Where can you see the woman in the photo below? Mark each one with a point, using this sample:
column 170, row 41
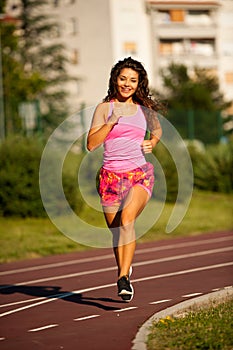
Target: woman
column 126, row 180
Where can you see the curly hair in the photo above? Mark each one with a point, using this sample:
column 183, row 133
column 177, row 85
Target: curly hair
column 142, row 95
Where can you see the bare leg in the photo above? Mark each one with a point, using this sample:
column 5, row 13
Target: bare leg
column 121, row 223
column 113, row 219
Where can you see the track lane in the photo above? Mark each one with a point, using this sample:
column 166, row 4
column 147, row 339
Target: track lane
column 68, row 321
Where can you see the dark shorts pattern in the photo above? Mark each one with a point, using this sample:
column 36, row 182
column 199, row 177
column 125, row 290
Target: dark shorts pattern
column 113, row 187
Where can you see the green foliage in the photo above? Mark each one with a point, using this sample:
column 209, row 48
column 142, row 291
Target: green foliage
column 212, row 170
column 169, row 171
column 194, row 102
column 188, row 90
column 209, row 328
column 19, row 190
column 2, row 5
column 18, row 85
column 36, row 25
column 201, row 124
column 19, row 180
column 33, row 67
column 213, row 167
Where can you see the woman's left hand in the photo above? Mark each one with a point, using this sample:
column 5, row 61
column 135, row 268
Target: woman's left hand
column 147, row 146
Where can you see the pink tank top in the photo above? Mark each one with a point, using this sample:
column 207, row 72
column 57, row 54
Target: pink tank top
column 122, row 146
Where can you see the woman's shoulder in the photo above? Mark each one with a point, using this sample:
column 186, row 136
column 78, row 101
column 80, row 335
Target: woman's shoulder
column 104, row 107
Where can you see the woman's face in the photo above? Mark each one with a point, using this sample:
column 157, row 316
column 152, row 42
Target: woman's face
column 127, row 83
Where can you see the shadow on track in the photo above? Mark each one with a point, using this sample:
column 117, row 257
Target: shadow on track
column 56, row 292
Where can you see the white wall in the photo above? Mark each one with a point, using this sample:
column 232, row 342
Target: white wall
column 130, row 24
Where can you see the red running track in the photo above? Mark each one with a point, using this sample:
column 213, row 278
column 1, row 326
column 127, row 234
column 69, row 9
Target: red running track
column 70, row 301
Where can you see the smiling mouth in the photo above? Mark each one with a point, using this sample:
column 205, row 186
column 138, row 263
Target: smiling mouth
column 125, row 90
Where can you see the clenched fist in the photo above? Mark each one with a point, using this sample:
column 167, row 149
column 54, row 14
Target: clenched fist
column 147, row 146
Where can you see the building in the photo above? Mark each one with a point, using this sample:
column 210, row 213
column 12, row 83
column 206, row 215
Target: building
column 195, row 33
column 97, row 33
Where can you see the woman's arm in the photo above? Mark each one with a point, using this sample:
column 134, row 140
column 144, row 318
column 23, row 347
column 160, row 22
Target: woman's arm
column 100, row 126
column 155, row 135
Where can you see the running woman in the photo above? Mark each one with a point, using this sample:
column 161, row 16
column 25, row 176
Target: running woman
column 126, row 179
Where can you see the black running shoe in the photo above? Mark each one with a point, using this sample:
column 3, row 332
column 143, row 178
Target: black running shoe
column 125, row 289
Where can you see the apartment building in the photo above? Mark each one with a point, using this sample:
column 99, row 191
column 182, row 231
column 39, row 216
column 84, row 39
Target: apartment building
column 195, row 33
column 97, row 33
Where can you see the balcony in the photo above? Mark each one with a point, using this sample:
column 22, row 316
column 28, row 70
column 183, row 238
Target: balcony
column 185, row 23
column 188, row 51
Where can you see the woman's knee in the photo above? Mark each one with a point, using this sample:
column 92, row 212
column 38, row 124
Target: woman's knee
column 127, row 219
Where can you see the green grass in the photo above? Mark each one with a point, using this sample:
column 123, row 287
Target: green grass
column 207, row 212
column 31, row 237
column 206, row 328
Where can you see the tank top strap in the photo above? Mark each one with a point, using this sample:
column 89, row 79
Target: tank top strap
column 110, row 108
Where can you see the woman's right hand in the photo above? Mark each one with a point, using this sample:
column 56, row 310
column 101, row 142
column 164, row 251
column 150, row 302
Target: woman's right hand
column 117, row 112
column 121, row 109
column 113, row 119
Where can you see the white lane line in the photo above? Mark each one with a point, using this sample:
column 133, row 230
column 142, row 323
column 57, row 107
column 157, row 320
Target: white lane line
column 43, row 328
column 21, row 302
column 177, row 273
column 142, row 263
column 170, row 274
column 59, row 264
column 85, row 318
column 110, row 256
column 185, row 244
column 160, row 301
column 184, row 256
column 56, row 297
column 191, row 295
column 126, row 309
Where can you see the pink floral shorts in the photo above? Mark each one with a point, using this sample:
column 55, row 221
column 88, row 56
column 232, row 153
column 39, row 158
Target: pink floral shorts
column 113, row 187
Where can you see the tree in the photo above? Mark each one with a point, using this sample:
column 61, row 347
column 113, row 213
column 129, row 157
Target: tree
column 195, row 102
column 45, row 57
column 33, row 67
column 18, row 85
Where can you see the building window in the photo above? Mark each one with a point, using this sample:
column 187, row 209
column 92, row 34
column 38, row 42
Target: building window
column 171, row 47
column 164, row 17
column 171, row 16
column 130, row 48
column 229, row 77
column 202, row 47
column 73, row 26
column 177, row 15
column 74, row 56
column 198, row 17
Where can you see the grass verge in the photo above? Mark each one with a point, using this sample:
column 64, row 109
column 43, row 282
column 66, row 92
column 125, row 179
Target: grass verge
column 208, row 327
column 31, row 237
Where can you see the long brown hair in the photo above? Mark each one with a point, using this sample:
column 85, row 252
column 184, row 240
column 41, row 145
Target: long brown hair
column 142, row 95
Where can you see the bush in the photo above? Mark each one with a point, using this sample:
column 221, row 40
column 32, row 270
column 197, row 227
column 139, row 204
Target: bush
column 19, row 179
column 169, row 171
column 213, row 168
column 176, row 170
